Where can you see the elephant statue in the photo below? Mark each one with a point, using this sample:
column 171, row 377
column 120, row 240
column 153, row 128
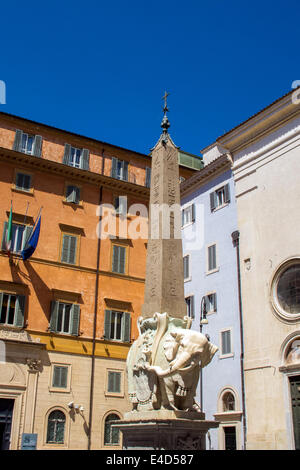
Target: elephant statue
column 181, row 355
column 163, row 364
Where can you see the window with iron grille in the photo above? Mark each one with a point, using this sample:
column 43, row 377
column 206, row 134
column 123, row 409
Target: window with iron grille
column 56, row 427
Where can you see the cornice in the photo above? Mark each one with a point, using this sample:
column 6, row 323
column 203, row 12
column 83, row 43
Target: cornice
column 85, row 176
column 260, row 125
column 207, row 173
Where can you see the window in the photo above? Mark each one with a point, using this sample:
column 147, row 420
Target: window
column 186, row 267
column 77, row 158
column 73, row 194
column 120, row 205
column 20, row 236
column 60, row 376
column 212, row 257
column 148, row 177
column 211, row 302
column 56, row 427
column 117, row 326
column 219, row 197
column 288, row 289
column 190, row 306
column 12, row 308
column 119, row 169
column 118, row 259
column 23, row 181
column 69, row 249
column 65, row 318
column 114, row 382
column 285, row 290
column 226, row 348
column 28, row 143
column 188, row 215
column 111, row 434
column 230, row 437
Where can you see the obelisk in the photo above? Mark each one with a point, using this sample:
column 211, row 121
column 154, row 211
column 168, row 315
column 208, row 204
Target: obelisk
column 164, row 286
column 163, row 363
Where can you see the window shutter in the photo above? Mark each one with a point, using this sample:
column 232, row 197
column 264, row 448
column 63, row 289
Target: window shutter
column 18, row 140
column 37, row 149
column 107, row 324
column 182, row 217
column 1, row 300
column 186, row 267
column 65, row 248
column 226, row 349
column 114, row 163
column 73, row 194
column 148, row 177
column 117, row 384
column 226, row 193
column 67, row 154
column 192, row 306
column 213, row 201
column 126, row 327
column 75, row 317
column 60, row 375
column 3, row 244
column 72, row 250
column 122, row 256
column 53, row 315
column 110, row 386
column 26, row 235
column 125, row 171
column 193, row 212
column 214, row 302
column 19, row 311
column 123, row 205
column 115, row 260
column 85, row 160
column 212, row 257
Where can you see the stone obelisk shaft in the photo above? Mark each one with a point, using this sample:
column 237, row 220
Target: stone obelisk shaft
column 164, row 287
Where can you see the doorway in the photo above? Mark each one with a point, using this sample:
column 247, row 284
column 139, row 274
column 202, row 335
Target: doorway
column 295, row 401
column 6, row 412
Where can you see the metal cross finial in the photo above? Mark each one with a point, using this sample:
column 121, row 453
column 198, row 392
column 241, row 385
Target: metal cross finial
column 165, row 99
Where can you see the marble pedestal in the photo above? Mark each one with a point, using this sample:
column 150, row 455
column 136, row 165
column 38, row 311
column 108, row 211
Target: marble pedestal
column 164, row 430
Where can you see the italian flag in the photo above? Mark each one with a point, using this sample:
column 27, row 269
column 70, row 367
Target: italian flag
column 8, row 236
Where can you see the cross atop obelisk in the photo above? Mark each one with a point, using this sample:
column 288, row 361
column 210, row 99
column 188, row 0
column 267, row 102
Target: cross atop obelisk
column 164, row 287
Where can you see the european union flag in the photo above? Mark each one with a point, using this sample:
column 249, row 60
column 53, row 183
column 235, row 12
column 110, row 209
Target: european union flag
column 32, row 242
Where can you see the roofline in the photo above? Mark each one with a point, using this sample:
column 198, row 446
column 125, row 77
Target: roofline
column 72, row 133
column 218, row 139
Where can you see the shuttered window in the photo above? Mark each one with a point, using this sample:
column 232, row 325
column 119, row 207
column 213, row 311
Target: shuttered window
column 119, row 169
column 114, row 382
column 226, row 342
column 190, row 306
column 68, row 250
column 219, row 197
column 23, row 181
column 20, row 236
column 27, row 143
column 64, row 318
column 188, row 215
column 60, row 376
column 77, row 158
column 186, row 267
column 212, row 257
column 12, row 309
column 211, row 302
column 73, row 194
column 120, row 205
column 118, row 259
column 117, row 326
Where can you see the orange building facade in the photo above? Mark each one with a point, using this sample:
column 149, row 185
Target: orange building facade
column 68, row 314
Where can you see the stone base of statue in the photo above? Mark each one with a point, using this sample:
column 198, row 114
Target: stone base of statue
column 165, row 430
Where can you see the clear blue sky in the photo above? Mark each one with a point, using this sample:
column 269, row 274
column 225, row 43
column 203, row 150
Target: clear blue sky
column 100, row 68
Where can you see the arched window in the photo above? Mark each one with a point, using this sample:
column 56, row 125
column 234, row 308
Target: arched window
column 228, row 401
column 56, row 427
column 111, row 434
